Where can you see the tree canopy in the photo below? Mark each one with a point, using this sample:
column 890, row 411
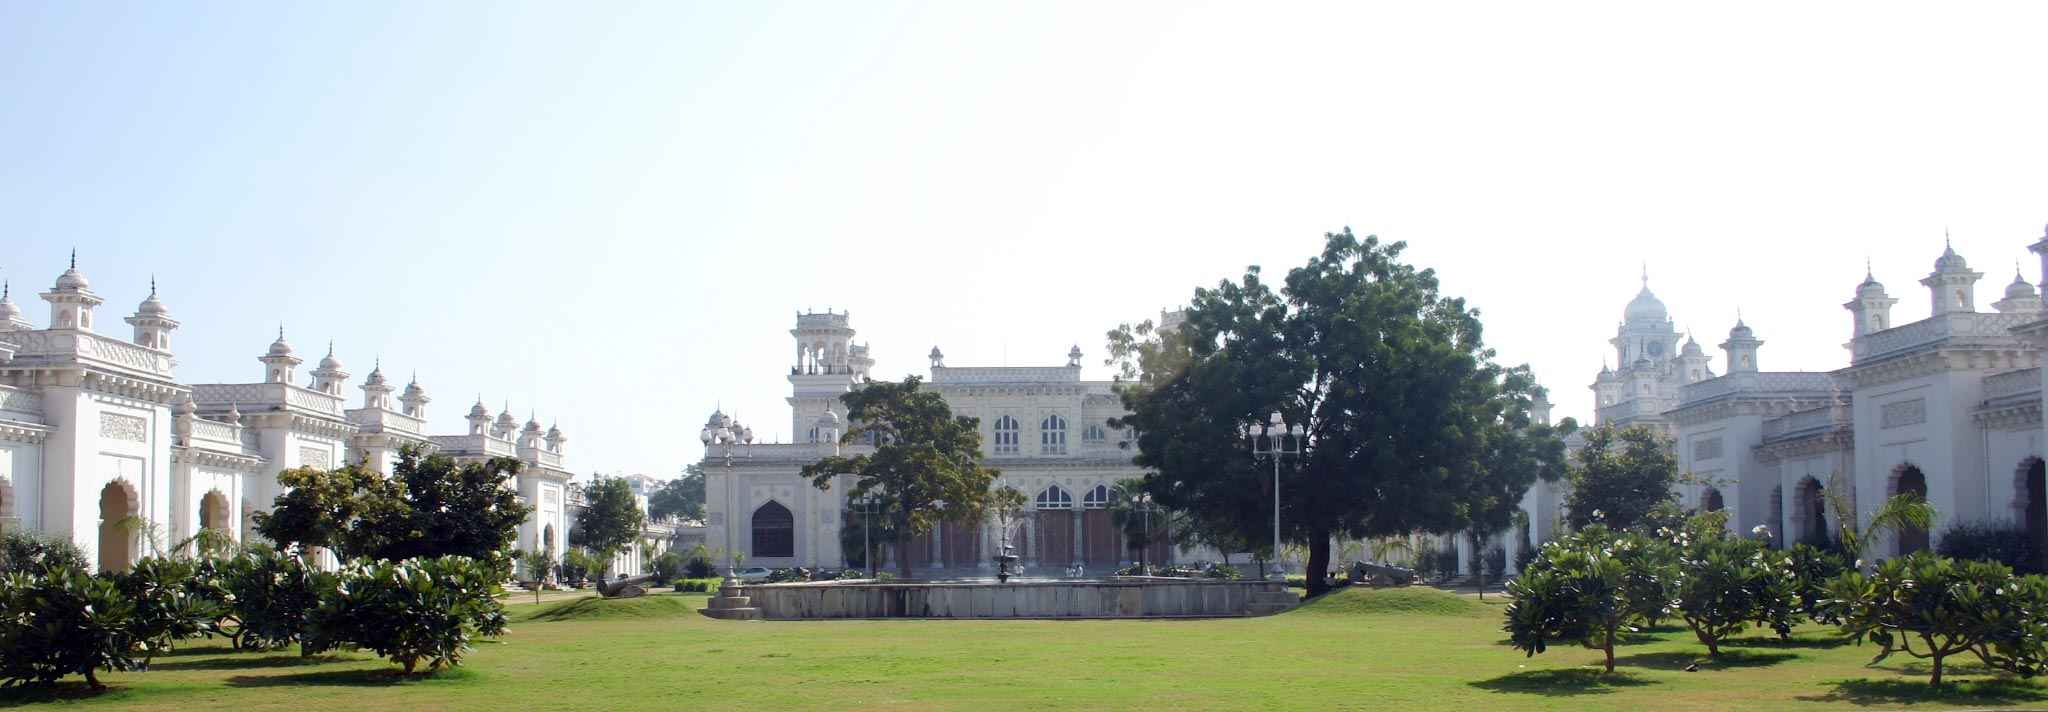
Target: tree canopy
column 1622, row 475
column 1407, row 418
column 926, row 464
column 611, row 519
column 681, row 497
column 430, row 506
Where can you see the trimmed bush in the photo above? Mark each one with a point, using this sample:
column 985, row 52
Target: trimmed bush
column 1931, row 607
column 32, row 553
column 698, row 563
column 64, row 623
column 668, row 567
column 1724, row 584
column 270, row 594
column 1574, row 591
column 171, row 603
column 411, row 612
column 2004, row 543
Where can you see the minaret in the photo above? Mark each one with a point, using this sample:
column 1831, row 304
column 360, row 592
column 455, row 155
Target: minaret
column 529, row 436
column 1741, row 347
column 279, row 364
column 479, row 418
column 555, row 439
column 1696, row 366
column 1074, row 357
column 152, row 321
column 415, row 398
column 10, row 315
column 1872, row 308
column 72, row 300
column 503, row 428
column 2020, row 297
column 329, row 376
column 938, row 358
column 1952, row 285
column 376, row 393
column 1539, row 407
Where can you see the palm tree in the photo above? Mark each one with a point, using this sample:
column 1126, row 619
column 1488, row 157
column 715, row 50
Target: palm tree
column 1903, row 512
column 1130, row 508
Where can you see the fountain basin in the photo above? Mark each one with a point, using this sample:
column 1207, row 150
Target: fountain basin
column 1115, row 597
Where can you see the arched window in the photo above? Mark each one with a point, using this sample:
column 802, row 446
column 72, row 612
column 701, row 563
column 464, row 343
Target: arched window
column 1006, row 435
column 2034, row 507
column 1054, row 498
column 774, row 531
column 1052, row 435
column 213, row 511
column 117, row 535
column 1094, row 435
column 1910, row 480
column 1812, row 508
column 1097, row 498
column 1710, row 501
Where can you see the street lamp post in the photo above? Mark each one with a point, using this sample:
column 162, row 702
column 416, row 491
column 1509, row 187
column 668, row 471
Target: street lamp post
column 866, row 505
column 1279, row 441
column 1143, row 502
column 728, row 435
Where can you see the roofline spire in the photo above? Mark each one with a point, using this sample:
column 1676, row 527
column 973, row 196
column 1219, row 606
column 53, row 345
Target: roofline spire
column 74, row 258
column 152, row 283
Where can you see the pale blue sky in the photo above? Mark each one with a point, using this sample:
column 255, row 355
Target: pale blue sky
column 607, row 212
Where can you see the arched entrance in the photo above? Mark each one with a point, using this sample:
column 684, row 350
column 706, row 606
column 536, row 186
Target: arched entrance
column 213, row 512
column 2034, row 484
column 117, row 536
column 1710, row 501
column 1909, row 480
column 547, row 539
column 774, row 531
column 1812, row 503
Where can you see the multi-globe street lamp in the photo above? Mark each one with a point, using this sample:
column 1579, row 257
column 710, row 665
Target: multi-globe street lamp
column 727, row 435
column 1277, row 440
column 866, row 505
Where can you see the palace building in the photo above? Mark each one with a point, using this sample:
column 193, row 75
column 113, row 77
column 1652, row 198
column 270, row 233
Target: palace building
column 1947, row 406
column 101, row 443
column 1043, row 427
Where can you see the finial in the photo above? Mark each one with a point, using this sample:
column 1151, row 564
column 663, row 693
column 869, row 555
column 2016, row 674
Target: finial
column 152, row 285
column 74, row 258
column 280, row 331
column 1867, row 274
column 330, row 347
column 1646, row 274
column 1945, row 242
column 5, row 289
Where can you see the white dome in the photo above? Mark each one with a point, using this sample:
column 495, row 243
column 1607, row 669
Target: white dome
column 72, row 280
column 376, row 377
column 8, row 311
column 152, row 306
column 478, row 411
column 2019, row 288
column 1949, row 261
column 279, row 347
column 1645, row 307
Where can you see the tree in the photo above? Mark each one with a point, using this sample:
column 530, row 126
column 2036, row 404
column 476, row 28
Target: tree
column 1576, row 591
column 1947, row 607
column 1622, row 474
column 451, row 510
column 926, row 465
column 1389, row 379
column 610, row 521
column 681, row 497
column 1141, row 522
column 1516, row 451
column 324, row 509
column 1903, row 512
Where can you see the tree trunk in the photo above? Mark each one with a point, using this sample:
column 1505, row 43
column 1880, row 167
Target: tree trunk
column 1937, row 670
column 1318, row 561
column 93, row 680
column 1478, row 565
column 1608, row 646
column 903, row 537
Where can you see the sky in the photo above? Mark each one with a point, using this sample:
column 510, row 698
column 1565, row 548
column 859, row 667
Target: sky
column 607, row 214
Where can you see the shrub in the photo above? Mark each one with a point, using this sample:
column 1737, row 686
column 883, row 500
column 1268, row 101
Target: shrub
column 1950, row 607
column 1224, row 572
column 668, row 567
column 63, row 623
column 411, row 612
column 1725, row 583
column 1494, row 563
column 699, row 563
column 1524, row 555
column 1575, row 590
column 32, row 553
column 1812, row 568
column 1447, row 561
column 2007, row 544
column 168, row 606
column 270, row 594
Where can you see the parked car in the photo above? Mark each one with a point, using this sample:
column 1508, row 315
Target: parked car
column 752, row 574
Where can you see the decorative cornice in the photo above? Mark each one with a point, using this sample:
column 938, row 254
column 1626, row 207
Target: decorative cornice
column 18, row 431
column 203, row 457
column 1842, row 439
column 2017, row 416
column 1938, row 360
column 1761, row 404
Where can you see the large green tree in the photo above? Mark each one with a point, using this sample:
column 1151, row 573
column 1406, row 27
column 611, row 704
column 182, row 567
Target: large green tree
column 610, row 521
column 1390, row 380
column 681, row 497
column 1621, row 476
column 326, row 509
column 926, row 464
column 430, row 506
column 1516, row 451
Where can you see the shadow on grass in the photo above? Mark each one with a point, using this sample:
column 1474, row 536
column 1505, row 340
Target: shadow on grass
column 1994, row 691
column 230, row 662
column 1561, row 683
column 61, row 691
column 1679, row 660
column 1794, row 642
column 378, row 677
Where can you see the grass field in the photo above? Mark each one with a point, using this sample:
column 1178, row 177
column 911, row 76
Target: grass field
column 1411, row 649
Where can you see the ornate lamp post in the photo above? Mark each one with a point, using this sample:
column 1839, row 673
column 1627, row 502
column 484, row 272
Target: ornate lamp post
column 727, row 435
column 865, row 504
column 1142, row 502
column 1278, row 441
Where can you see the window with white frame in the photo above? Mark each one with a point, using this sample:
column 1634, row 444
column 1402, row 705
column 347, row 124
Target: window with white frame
column 1094, row 435
column 1097, row 498
column 1054, row 497
column 1052, row 435
column 1006, row 435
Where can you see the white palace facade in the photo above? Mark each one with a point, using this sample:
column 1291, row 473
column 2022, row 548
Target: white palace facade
column 1043, row 427
column 1947, row 406
column 101, row 443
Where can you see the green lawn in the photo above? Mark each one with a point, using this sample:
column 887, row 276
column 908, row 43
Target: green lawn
column 1412, row 649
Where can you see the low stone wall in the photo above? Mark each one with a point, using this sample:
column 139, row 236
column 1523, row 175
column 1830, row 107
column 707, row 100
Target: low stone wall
column 1121, row 597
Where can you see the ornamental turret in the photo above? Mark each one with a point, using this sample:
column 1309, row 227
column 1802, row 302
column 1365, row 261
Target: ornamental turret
column 555, row 439
column 479, row 418
column 10, row 315
column 2020, row 297
column 938, row 358
column 152, row 321
column 1741, row 346
column 71, row 300
column 1872, row 308
column 376, row 392
column 415, row 399
column 529, row 436
column 1952, row 286
column 1694, row 363
column 329, row 374
column 279, row 364
column 505, row 425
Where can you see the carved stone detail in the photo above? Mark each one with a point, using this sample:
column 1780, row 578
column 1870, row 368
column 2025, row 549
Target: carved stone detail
column 1903, row 413
column 116, row 426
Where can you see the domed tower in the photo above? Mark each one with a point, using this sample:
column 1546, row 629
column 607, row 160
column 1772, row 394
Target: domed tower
column 376, row 393
column 329, row 376
column 529, row 436
column 2020, row 297
column 71, row 300
column 1606, row 387
column 505, row 425
column 1693, row 362
column 1741, row 347
column 1646, row 330
column 415, row 399
column 1872, row 308
column 279, row 364
column 555, row 439
column 479, row 418
column 1952, row 285
column 10, row 315
column 828, row 366
column 152, row 321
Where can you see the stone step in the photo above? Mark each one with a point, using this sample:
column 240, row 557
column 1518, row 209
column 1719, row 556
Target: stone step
column 732, row 614
column 724, row 602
